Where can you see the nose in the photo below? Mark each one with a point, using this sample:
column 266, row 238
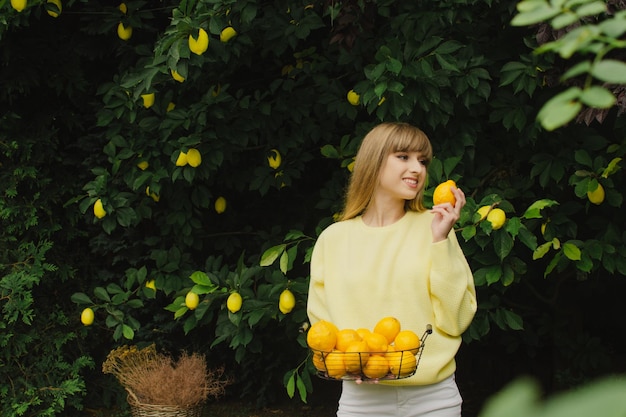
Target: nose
column 417, row 165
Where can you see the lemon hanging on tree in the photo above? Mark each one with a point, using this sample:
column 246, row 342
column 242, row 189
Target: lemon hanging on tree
column 286, row 301
column 124, row 32
column 199, row 45
column 87, row 316
column 181, row 160
column 227, row 34
column 98, row 209
column 220, row 205
column 18, row 5
column 353, row 98
column 234, row 302
column 192, row 300
column 483, row 212
column 275, row 159
column 497, row 218
column 596, row 196
column 148, row 100
column 177, row 76
column 50, row 9
column 194, row 158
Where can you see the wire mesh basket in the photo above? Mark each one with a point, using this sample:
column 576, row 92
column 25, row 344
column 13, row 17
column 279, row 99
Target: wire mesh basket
column 139, row 409
column 368, row 366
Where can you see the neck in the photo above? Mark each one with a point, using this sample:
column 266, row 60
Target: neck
column 378, row 214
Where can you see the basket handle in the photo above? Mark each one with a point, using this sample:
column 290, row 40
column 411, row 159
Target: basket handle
column 132, row 394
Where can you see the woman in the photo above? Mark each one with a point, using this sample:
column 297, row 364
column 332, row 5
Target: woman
column 389, row 256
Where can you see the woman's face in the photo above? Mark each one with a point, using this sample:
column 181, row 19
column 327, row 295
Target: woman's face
column 402, row 175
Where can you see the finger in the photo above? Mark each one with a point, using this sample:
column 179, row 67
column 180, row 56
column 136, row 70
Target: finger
column 460, row 198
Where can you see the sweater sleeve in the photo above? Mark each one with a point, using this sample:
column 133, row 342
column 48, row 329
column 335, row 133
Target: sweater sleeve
column 316, row 301
column 452, row 287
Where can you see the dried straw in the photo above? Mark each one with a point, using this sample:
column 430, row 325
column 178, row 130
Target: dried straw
column 155, row 378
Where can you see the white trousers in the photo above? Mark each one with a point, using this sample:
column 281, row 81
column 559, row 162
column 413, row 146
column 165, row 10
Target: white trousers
column 438, row 400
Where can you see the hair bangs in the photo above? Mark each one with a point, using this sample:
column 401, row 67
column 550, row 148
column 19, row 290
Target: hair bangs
column 410, row 139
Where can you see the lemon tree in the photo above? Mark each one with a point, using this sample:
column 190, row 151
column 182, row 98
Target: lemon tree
column 149, row 152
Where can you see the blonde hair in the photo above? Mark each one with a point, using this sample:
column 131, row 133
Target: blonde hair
column 382, row 140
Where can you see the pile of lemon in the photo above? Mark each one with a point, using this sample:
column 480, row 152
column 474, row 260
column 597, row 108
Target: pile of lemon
column 386, row 351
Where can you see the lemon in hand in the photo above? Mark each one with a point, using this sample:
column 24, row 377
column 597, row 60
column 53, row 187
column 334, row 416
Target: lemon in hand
column 201, row 44
column 443, row 193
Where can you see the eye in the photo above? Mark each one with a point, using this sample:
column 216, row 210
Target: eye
column 403, row 156
column 424, row 162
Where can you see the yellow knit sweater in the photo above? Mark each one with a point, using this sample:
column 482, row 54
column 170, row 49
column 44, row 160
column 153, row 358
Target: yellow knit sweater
column 360, row 274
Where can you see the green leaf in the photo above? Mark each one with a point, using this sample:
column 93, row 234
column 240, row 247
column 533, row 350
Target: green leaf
column 534, row 210
column 255, row 316
column 610, row 71
column 541, row 12
column 301, row 389
column 591, row 9
column 598, row 97
column 394, row 66
column 603, row 397
column 578, row 69
column 291, row 385
column 582, row 157
column 284, row 262
column 81, row 298
column 201, row 278
column 180, row 312
column 271, row 254
column 502, row 244
column 518, row 399
column 329, row 151
column 564, row 20
column 468, row 232
column 613, row 27
column 541, row 250
column 611, row 168
column 493, row 274
column 113, row 288
column 128, row 332
column 560, row 109
column 513, row 320
column 571, row 251
column 102, row 294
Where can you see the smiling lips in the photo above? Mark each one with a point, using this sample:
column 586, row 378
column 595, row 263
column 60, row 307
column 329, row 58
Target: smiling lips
column 411, row 182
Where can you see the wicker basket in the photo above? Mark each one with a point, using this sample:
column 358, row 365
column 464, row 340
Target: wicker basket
column 139, row 409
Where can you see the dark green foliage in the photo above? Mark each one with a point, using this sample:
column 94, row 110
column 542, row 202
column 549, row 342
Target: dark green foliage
column 74, row 129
